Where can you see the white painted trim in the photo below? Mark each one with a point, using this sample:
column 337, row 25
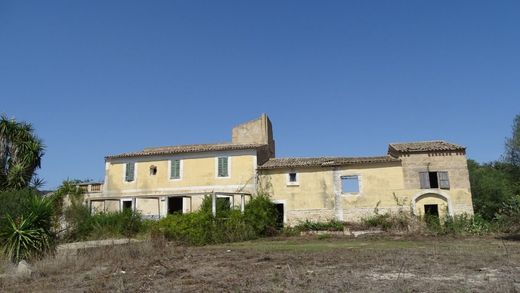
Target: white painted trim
column 181, row 169
column 228, row 166
column 360, row 185
column 284, row 202
column 288, row 178
column 434, row 191
column 222, row 188
column 105, row 184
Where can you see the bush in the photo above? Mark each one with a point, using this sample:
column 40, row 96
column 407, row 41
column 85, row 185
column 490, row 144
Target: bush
column 464, row 225
column 508, row 216
column 331, row 225
column 86, row 226
column 397, row 221
column 230, row 225
column 26, row 225
column 260, row 213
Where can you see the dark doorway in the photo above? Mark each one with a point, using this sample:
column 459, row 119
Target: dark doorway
column 279, row 214
column 127, row 205
column 175, row 205
column 431, row 213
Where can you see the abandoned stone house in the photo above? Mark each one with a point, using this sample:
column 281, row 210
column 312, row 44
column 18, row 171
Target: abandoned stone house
column 429, row 177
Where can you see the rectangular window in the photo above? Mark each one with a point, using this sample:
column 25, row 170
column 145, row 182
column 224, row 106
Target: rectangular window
column 175, row 171
column 434, row 180
column 129, row 172
column 223, row 167
column 292, row 178
column 350, row 184
column 127, row 205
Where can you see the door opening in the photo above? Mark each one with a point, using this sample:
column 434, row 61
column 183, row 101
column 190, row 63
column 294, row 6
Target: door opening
column 279, row 214
column 431, row 213
column 127, row 205
column 175, row 205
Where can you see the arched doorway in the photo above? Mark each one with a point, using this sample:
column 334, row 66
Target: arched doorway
column 433, row 204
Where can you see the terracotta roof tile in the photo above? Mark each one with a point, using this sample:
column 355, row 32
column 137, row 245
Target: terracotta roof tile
column 181, row 149
column 278, row 163
column 424, row 146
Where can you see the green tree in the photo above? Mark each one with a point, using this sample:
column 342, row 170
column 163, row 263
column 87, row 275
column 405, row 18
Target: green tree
column 490, row 186
column 512, row 152
column 20, row 154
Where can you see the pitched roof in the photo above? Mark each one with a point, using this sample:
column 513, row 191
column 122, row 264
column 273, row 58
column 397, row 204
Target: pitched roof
column 424, row 146
column 277, row 163
column 182, row 149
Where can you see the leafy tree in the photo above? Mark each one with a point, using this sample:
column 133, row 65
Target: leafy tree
column 20, row 154
column 512, row 153
column 490, row 186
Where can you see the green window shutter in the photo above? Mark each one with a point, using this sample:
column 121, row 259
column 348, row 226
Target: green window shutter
column 425, row 180
column 129, row 175
column 444, row 181
column 223, row 167
column 175, row 169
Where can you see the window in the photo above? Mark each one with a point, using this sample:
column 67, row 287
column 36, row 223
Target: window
column 223, row 167
column 153, row 170
column 350, row 184
column 434, row 180
column 175, row 169
column 292, row 178
column 130, row 172
column 127, row 204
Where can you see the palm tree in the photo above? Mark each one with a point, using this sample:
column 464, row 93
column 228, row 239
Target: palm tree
column 20, row 154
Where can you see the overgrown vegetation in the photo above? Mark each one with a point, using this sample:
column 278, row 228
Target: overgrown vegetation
column 26, row 224
column 330, row 225
column 230, row 225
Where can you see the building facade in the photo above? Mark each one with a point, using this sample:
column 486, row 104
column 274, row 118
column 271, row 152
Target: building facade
column 427, row 177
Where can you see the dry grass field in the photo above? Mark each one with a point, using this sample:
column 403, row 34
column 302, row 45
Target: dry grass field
column 313, row 264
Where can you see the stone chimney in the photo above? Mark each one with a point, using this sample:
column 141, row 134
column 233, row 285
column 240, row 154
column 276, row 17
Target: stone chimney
column 258, row 131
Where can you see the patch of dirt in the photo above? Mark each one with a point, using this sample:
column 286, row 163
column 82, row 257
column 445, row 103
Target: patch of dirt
column 383, row 264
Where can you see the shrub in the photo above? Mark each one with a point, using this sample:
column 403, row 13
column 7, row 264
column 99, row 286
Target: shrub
column 331, row 225
column 223, row 206
column 508, row 217
column 25, row 225
column 83, row 225
column 260, row 213
column 200, row 228
column 195, row 228
column 464, row 224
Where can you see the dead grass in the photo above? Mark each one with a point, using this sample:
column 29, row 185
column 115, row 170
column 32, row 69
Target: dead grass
column 383, row 264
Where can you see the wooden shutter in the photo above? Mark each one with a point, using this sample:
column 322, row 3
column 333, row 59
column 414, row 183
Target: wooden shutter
column 129, row 172
column 175, row 169
column 425, row 180
column 222, row 167
column 444, row 181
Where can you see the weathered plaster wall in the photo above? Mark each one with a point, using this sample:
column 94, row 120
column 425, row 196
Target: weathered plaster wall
column 318, row 195
column 198, row 174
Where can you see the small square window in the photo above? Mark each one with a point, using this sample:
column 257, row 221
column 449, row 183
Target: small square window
column 292, row 178
column 350, row 184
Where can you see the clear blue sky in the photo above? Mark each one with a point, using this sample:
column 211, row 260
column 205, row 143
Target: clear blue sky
column 335, row 77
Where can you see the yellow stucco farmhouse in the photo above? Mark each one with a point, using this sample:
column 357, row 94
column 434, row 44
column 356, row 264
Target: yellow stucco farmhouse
column 430, row 177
